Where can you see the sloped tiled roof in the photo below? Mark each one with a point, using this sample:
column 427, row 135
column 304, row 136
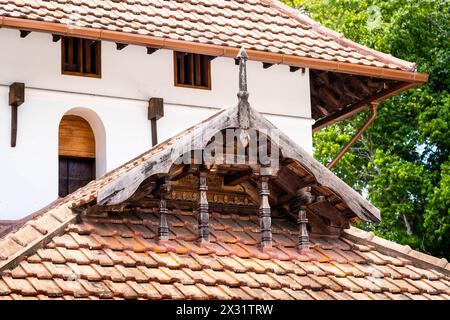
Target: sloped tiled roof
column 119, row 257
column 264, row 26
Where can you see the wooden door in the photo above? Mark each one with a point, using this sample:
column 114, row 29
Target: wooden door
column 76, row 154
column 74, row 173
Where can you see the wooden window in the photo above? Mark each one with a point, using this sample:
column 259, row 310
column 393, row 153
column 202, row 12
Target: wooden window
column 192, row 70
column 81, row 57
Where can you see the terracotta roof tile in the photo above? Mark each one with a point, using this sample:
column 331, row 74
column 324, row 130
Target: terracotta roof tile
column 76, row 265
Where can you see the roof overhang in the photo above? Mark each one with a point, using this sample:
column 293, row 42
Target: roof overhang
column 209, row 49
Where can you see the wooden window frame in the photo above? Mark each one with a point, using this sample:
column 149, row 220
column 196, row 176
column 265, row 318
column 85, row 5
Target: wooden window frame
column 98, row 54
column 182, row 85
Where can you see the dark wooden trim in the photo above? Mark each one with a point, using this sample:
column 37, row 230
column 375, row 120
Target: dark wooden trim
column 267, row 65
column 56, row 37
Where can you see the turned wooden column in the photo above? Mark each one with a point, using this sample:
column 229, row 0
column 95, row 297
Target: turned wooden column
column 306, row 198
column 163, row 228
column 203, row 208
column 303, row 236
column 265, row 219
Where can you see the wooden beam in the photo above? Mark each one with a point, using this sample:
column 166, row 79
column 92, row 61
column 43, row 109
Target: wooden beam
column 155, row 112
column 236, row 178
column 324, row 209
column 24, row 33
column 120, row 46
column 56, row 37
column 267, row 65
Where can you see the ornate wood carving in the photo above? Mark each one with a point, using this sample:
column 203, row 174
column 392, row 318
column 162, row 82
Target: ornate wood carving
column 265, row 219
column 163, row 229
column 203, row 208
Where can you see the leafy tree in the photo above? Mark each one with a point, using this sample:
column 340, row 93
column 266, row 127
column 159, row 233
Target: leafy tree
column 402, row 162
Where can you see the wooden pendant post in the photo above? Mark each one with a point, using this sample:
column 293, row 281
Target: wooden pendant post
column 163, row 229
column 265, row 219
column 203, row 208
column 155, row 112
column 16, row 98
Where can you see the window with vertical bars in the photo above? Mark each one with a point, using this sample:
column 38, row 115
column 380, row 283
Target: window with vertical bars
column 81, row 57
column 192, row 70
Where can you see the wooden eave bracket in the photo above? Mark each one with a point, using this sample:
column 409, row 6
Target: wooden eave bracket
column 24, row 33
column 121, row 46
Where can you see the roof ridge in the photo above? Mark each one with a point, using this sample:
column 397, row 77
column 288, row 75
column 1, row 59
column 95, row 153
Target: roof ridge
column 390, row 247
column 317, row 26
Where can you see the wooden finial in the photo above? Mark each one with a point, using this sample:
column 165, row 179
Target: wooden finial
column 163, row 229
column 203, row 208
column 265, row 219
column 243, row 113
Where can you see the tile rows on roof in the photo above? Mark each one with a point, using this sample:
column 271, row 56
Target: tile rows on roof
column 258, row 25
column 119, row 257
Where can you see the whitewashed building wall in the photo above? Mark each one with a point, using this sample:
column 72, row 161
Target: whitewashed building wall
column 116, row 108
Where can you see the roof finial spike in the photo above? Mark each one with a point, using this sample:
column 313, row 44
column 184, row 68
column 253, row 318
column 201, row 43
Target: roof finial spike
column 242, row 57
column 243, row 94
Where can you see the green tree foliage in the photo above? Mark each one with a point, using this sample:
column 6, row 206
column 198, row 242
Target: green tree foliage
column 402, row 163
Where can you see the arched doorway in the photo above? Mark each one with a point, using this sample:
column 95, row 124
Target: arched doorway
column 76, row 154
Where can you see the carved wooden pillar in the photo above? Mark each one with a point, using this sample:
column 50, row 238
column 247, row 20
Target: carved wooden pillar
column 306, row 198
column 265, row 219
column 203, row 208
column 163, row 229
column 303, row 237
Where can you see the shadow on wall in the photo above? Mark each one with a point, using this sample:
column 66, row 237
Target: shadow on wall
column 99, row 133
